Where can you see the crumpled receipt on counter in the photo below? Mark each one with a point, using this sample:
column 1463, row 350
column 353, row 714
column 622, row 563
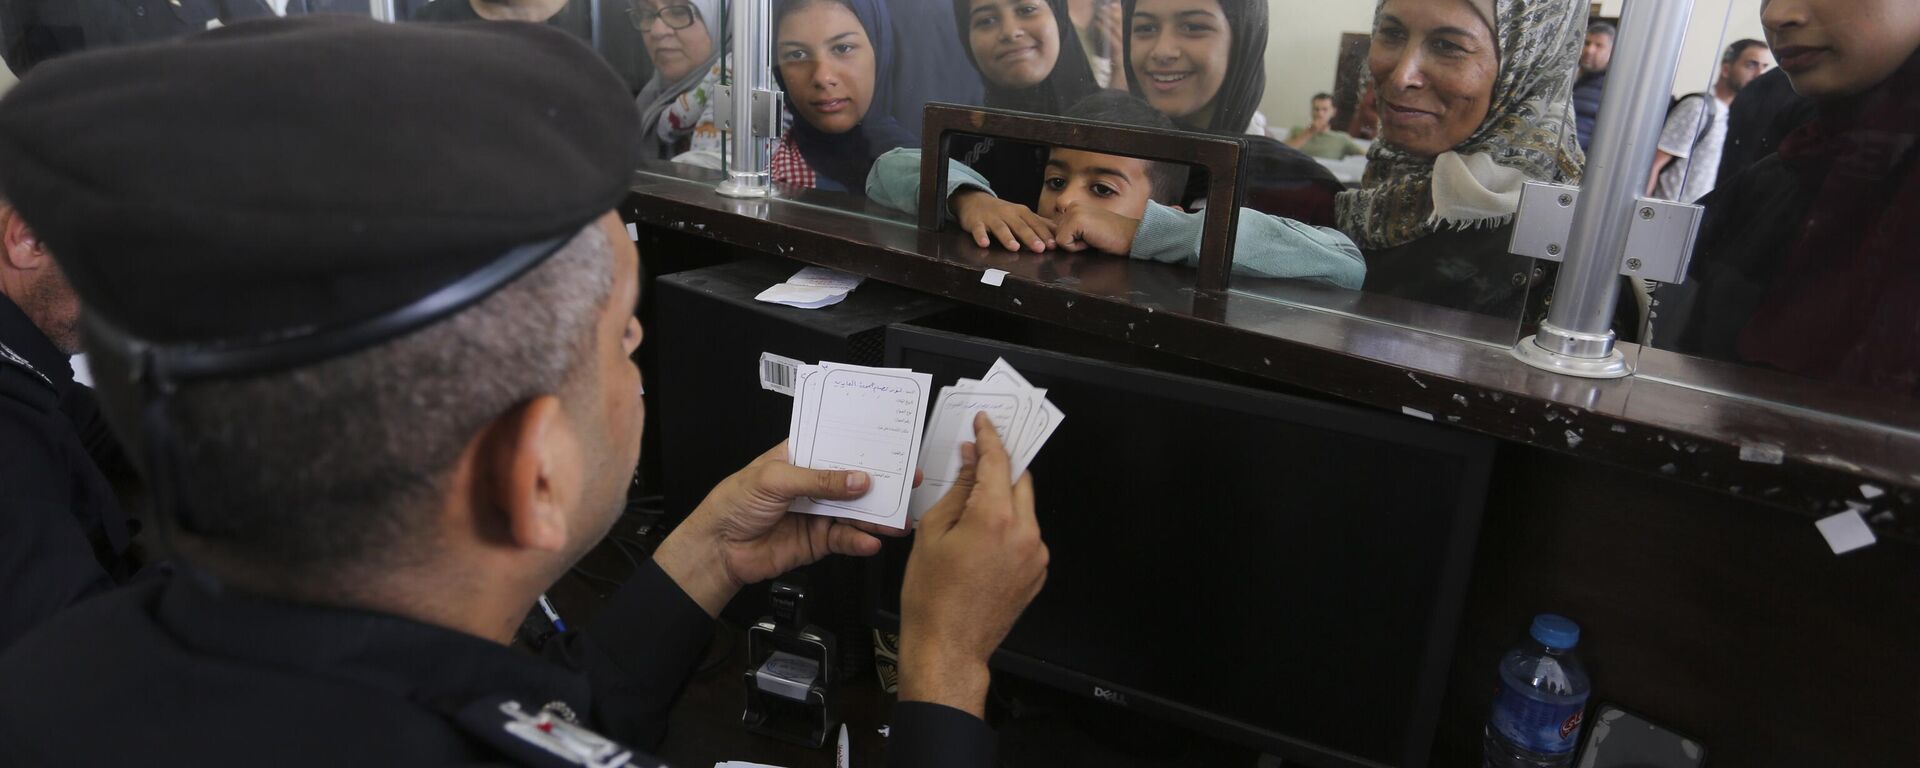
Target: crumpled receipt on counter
column 812, row 288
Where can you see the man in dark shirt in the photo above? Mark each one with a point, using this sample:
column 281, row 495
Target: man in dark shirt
column 385, row 393
column 1595, row 58
column 63, row 534
column 1763, row 114
column 37, row 30
column 615, row 37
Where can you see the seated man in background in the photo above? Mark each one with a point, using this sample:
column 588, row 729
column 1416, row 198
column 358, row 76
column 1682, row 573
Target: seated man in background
column 1119, row 205
column 1319, row 139
column 385, row 394
column 63, row 533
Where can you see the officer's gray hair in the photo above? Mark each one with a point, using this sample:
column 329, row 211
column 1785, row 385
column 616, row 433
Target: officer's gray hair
column 335, row 465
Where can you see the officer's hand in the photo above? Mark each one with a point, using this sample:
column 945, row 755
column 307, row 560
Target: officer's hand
column 742, row 534
column 977, row 562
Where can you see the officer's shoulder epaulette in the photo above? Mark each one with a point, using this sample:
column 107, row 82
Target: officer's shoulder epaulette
column 546, row 736
column 20, row 381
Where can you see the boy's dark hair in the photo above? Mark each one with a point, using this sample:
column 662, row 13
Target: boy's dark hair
column 1738, row 49
column 1121, row 108
column 1321, row 96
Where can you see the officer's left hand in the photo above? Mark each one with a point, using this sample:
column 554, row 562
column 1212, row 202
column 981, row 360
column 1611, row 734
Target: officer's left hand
column 742, row 534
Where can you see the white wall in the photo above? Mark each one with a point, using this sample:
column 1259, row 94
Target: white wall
column 1304, row 43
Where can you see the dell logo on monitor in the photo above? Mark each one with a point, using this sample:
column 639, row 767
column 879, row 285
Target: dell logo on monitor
column 1110, row 697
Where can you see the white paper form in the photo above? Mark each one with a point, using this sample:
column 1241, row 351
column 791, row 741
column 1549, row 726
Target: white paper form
column 867, row 419
column 952, row 425
column 1039, row 426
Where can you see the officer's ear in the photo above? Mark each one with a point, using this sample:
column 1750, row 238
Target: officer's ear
column 530, row 475
column 19, row 247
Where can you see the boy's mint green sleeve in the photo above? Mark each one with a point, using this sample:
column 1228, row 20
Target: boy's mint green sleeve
column 895, row 179
column 1263, row 246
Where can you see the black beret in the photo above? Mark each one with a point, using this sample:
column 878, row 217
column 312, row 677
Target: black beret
column 279, row 176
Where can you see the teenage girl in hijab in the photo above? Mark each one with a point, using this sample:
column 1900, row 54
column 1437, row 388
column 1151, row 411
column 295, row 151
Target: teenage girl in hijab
column 1203, row 64
column 686, row 43
column 1806, row 262
column 1475, row 100
column 1030, row 59
column 833, row 58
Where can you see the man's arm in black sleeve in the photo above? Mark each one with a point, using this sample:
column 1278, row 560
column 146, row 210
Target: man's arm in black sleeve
column 924, row 735
column 637, row 654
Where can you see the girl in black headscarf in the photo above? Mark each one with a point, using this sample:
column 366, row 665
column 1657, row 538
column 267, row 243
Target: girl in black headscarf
column 1203, row 64
column 1027, row 53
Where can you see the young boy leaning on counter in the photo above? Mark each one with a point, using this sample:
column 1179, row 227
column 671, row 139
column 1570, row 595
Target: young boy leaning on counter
column 1120, row 205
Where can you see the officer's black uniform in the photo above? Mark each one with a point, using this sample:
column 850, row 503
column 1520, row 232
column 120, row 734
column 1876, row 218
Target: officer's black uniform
column 292, row 246
column 63, row 535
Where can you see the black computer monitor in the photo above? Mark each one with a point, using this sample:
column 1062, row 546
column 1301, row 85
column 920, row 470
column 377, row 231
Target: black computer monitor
column 1274, row 571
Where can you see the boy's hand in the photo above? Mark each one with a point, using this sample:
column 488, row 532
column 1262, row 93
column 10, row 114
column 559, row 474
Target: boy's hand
column 1082, row 226
column 991, row 219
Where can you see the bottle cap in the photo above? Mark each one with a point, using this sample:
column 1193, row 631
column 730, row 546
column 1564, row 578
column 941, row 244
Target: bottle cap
column 1555, row 631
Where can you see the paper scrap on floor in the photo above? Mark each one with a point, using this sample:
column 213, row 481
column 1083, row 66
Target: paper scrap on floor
column 1021, row 413
column 812, row 288
column 868, row 419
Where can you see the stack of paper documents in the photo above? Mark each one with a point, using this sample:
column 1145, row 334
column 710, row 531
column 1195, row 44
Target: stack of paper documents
column 812, row 288
column 1020, row 413
column 868, row 419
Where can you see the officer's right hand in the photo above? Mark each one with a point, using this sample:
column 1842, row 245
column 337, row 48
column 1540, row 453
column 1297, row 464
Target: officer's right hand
column 977, row 562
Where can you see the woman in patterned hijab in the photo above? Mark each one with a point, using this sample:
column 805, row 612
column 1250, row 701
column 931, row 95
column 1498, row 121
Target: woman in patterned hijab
column 1469, row 111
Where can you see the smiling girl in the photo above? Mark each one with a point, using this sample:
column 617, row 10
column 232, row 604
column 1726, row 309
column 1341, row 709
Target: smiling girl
column 830, row 57
column 1024, row 58
column 1200, row 62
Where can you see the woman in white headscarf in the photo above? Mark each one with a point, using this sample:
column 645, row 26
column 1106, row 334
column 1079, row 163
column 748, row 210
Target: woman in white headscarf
column 687, row 43
column 1475, row 100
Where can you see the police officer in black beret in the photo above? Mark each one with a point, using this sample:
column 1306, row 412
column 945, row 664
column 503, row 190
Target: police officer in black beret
column 373, row 353
column 63, row 534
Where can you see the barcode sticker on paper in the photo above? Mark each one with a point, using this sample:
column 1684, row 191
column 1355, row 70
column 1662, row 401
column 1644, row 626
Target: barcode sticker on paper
column 777, row 373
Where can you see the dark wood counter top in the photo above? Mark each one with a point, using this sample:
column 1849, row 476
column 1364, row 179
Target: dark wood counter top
column 1790, row 444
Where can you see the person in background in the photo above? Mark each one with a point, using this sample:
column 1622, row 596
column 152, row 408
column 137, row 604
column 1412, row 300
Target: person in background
column 1102, row 34
column 1595, row 57
column 1687, row 162
column 1119, row 205
column 686, row 46
column 1766, row 111
column 38, row 30
column 1473, row 100
column 1318, row 138
column 1805, row 262
column 64, row 535
column 832, row 58
column 433, row 414
column 618, row 43
column 1202, row 63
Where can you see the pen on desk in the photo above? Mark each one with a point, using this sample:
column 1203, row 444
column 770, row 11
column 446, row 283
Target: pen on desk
column 843, row 757
column 546, row 607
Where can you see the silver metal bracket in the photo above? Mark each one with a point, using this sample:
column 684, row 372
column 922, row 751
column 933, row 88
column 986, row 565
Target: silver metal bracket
column 1660, row 236
column 766, row 110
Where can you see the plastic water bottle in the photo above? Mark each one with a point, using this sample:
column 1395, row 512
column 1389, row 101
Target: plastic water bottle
column 1543, row 696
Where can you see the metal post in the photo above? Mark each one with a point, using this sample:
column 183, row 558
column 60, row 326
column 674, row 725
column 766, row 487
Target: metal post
column 1577, row 337
column 755, row 104
column 383, row 10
